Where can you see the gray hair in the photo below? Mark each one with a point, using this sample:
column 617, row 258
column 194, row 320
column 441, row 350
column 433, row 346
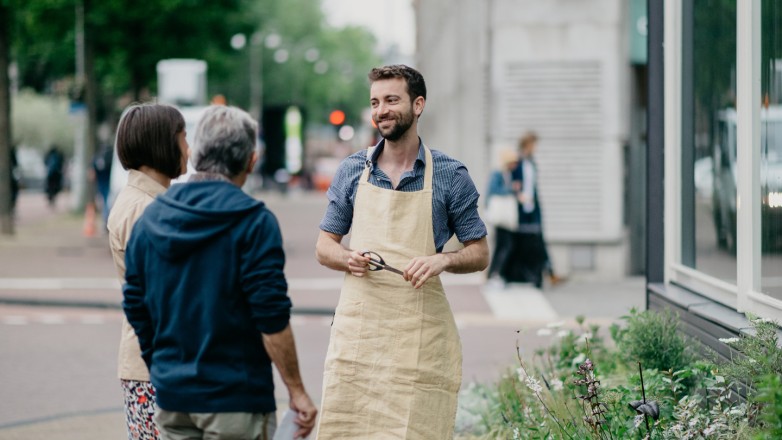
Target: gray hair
column 224, row 141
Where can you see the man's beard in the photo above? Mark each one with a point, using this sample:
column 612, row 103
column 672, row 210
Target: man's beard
column 400, row 127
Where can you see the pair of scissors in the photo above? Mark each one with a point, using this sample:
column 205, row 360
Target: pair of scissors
column 376, row 262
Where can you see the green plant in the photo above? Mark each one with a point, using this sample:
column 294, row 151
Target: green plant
column 759, row 353
column 562, row 394
column 769, row 395
column 653, row 339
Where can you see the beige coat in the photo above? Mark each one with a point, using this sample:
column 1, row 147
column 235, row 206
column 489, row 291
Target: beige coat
column 130, row 204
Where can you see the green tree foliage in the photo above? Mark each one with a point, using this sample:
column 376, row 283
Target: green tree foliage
column 129, row 38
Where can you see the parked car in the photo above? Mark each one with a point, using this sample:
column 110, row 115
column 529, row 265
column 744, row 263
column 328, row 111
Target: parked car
column 726, row 173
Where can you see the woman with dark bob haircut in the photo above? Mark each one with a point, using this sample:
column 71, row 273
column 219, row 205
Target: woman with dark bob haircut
column 151, row 145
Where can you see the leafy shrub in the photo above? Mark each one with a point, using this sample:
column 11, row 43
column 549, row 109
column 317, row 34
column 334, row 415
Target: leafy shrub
column 769, row 395
column 653, row 339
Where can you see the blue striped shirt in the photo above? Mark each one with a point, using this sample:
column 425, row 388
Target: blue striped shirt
column 454, row 198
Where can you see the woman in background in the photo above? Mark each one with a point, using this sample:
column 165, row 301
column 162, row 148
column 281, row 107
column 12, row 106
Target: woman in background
column 151, row 145
column 501, row 185
column 530, row 247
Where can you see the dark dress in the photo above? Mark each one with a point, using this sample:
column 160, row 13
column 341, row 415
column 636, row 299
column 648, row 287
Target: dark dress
column 528, row 258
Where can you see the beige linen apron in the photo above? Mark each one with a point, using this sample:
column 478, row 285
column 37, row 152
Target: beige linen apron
column 394, row 364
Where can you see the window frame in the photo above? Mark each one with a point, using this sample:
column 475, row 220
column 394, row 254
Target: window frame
column 745, row 295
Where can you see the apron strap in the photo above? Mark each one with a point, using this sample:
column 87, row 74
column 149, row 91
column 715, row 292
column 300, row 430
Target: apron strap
column 429, row 169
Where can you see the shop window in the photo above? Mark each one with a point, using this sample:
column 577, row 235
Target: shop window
column 708, row 161
column 770, row 166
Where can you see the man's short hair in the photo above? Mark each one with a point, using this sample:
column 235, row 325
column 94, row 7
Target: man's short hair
column 147, row 136
column 224, row 141
column 415, row 81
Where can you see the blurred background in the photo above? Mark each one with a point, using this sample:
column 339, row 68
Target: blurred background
column 573, row 72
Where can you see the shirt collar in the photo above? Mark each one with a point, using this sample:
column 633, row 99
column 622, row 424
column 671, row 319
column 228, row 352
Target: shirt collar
column 145, row 183
column 419, row 161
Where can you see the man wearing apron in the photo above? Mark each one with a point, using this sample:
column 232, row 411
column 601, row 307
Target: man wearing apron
column 394, row 364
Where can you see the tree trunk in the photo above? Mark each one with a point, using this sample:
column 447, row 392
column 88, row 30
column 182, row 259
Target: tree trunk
column 91, row 98
column 84, row 189
column 6, row 211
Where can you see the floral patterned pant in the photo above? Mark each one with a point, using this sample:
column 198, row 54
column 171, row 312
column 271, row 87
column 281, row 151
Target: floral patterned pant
column 139, row 410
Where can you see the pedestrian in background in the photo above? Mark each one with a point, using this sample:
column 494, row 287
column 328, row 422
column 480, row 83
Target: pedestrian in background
column 394, row 363
column 206, row 294
column 531, row 251
column 151, row 145
column 502, row 206
column 101, row 167
column 15, row 178
column 54, row 161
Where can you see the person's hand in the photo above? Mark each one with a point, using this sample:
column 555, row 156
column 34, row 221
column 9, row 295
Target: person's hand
column 522, row 198
column 358, row 264
column 306, row 412
column 420, row 269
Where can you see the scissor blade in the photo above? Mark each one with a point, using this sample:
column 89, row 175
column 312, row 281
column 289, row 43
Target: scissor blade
column 393, row 269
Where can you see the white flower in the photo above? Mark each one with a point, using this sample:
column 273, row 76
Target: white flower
column 563, row 333
column 736, row 412
column 710, row 430
column 544, row 332
column 729, row 340
column 638, row 420
column 521, row 374
column 557, row 385
column 516, row 433
column 555, row 324
column 534, row 385
column 578, row 360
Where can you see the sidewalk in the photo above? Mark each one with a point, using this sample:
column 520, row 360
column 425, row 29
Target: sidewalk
column 49, row 261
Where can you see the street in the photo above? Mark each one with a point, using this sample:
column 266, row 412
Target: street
column 60, row 318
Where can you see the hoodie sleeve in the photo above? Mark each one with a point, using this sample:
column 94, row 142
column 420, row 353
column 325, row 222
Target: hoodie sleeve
column 133, row 295
column 263, row 279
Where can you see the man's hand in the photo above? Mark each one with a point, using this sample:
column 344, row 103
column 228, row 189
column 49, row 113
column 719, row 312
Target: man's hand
column 306, row 413
column 358, row 264
column 473, row 257
column 420, row 269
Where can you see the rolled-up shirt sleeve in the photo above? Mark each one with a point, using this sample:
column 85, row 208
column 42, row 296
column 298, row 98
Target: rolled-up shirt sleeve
column 339, row 214
column 263, row 278
column 462, row 205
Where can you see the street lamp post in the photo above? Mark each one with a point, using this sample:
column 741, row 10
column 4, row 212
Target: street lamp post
column 257, row 40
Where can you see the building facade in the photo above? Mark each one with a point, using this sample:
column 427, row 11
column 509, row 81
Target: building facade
column 563, row 69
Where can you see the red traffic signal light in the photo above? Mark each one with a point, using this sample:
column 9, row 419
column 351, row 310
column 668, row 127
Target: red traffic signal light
column 337, row 117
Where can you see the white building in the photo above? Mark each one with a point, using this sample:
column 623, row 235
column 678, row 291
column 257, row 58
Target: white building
column 498, row 68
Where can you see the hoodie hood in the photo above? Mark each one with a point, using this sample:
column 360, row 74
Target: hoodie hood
column 189, row 214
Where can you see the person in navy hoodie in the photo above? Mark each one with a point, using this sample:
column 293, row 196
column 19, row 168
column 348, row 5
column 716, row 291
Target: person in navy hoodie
column 206, row 295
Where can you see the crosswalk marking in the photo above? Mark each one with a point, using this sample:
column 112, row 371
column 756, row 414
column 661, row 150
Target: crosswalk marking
column 519, row 302
column 51, row 319
column 15, row 320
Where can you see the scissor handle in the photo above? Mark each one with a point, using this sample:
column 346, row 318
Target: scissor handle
column 376, row 262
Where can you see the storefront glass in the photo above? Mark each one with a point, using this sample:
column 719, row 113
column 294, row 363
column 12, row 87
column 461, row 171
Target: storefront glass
column 708, row 160
column 771, row 148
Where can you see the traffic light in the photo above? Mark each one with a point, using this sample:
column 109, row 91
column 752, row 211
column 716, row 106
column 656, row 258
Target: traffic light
column 337, row 117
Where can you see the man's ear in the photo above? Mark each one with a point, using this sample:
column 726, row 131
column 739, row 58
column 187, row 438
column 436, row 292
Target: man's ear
column 251, row 162
column 418, row 105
